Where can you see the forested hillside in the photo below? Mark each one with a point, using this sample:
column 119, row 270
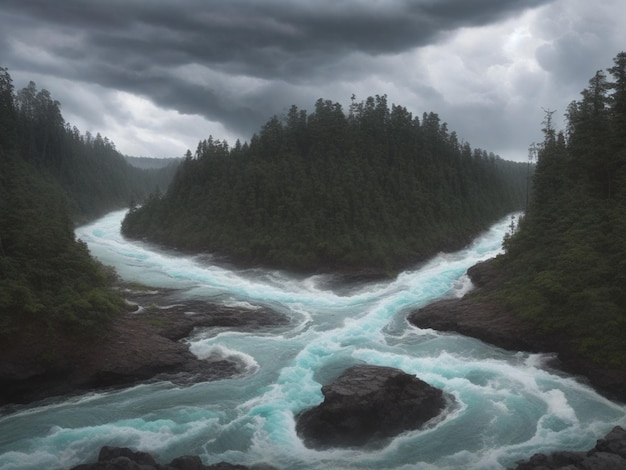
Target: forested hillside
column 565, row 268
column 50, row 177
column 95, row 177
column 374, row 188
column 48, row 281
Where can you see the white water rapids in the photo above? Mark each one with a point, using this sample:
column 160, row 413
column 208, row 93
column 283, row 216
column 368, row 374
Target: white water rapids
column 509, row 405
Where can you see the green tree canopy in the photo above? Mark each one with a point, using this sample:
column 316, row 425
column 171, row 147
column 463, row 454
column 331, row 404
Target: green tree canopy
column 564, row 270
column 374, row 188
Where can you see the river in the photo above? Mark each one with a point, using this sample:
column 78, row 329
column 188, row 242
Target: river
column 509, row 405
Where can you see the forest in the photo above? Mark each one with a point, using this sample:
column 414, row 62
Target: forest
column 371, row 189
column 564, row 269
column 51, row 177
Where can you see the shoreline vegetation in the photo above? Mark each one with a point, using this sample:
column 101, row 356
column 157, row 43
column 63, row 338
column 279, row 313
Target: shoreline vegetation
column 560, row 285
column 52, row 177
column 140, row 345
column 482, row 315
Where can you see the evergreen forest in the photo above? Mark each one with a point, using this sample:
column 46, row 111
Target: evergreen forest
column 94, row 176
column 564, row 269
column 372, row 189
column 52, row 176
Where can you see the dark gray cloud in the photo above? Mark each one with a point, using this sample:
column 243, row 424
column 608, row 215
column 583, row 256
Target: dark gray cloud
column 252, row 32
column 239, row 61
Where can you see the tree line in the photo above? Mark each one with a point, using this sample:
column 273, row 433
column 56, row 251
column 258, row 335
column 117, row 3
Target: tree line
column 52, row 176
column 94, row 175
column 565, row 268
column 374, row 188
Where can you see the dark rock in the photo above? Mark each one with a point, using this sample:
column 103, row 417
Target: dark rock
column 488, row 319
column 360, row 277
column 123, row 463
column 367, row 403
column 482, row 274
column 137, row 347
column 606, row 455
column 556, row 460
column 123, row 458
column 108, row 453
column 483, row 318
column 187, row 462
column 614, row 442
column 603, row 461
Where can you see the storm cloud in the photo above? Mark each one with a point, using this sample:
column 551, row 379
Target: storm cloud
column 487, row 67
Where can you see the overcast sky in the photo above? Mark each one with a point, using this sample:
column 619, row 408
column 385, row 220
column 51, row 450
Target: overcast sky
column 156, row 76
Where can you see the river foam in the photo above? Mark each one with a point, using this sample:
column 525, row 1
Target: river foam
column 508, row 405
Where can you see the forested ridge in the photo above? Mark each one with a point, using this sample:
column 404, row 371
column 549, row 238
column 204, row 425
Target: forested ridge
column 50, row 177
column 374, row 188
column 564, row 269
column 94, row 175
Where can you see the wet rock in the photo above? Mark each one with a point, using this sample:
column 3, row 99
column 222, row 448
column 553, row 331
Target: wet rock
column 123, row 458
column 488, row 319
column 188, row 462
column 608, row 454
column 108, row 453
column 367, row 403
column 614, row 442
column 484, row 319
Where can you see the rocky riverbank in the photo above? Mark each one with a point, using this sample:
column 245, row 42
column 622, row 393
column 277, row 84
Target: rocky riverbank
column 484, row 317
column 123, row 458
column 139, row 346
column 608, row 454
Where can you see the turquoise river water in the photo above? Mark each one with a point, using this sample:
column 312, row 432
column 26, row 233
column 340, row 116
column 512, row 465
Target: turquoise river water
column 509, row 405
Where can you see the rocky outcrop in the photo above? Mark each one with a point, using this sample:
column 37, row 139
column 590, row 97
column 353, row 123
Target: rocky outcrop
column 481, row 317
column 484, row 317
column 608, row 454
column 367, row 403
column 123, row 458
column 137, row 347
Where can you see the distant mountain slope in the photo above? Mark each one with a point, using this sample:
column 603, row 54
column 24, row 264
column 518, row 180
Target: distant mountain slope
column 374, row 189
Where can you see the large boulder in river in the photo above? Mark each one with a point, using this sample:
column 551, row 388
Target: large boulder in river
column 367, row 403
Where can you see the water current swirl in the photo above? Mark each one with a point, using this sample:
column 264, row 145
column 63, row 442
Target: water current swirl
column 509, row 405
